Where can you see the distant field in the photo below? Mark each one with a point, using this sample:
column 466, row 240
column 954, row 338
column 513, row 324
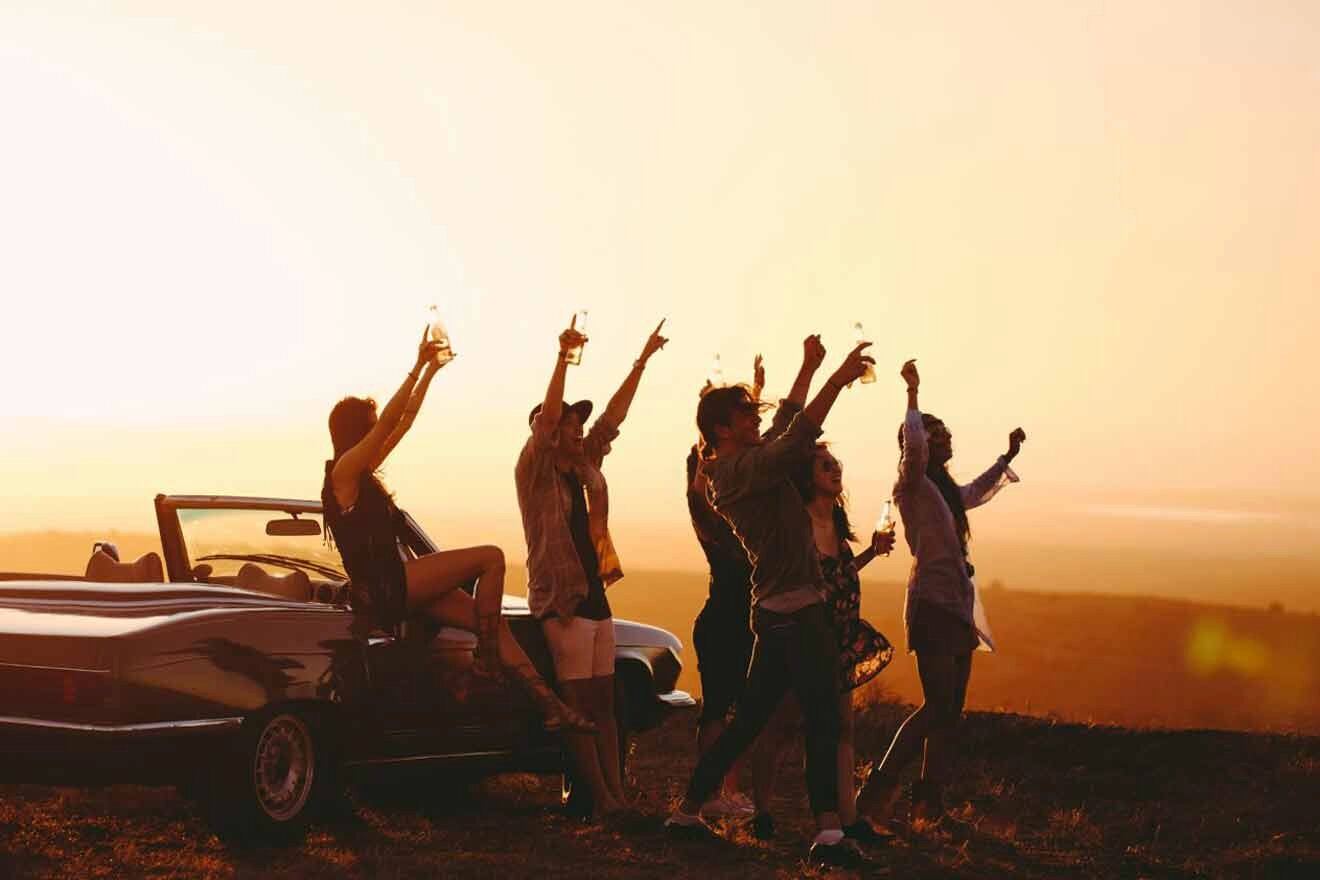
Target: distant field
column 1109, row 659
column 1106, row 658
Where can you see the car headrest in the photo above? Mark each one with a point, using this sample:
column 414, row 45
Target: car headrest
column 294, row 585
column 144, row 570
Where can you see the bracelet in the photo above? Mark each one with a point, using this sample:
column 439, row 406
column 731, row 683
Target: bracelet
column 835, row 385
column 639, row 364
column 412, row 374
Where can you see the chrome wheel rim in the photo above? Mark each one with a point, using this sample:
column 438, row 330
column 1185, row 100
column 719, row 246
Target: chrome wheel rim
column 283, row 767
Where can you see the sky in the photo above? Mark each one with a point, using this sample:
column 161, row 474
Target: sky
column 1093, row 220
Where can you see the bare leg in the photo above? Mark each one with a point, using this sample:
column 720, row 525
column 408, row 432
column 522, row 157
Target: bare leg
column 587, row 756
column 938, row 679
column 942, row 742
column 435, row 575
column 432, row 576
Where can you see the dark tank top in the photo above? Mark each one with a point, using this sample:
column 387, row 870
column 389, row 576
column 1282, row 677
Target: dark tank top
column 730, row 572
column 368, row 540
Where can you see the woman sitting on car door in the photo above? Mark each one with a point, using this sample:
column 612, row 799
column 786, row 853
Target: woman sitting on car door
column 366, row 526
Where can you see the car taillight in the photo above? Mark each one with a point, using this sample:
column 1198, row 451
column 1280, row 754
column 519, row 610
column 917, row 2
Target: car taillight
column 36, row 689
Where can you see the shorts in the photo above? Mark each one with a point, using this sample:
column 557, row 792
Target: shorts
column 723, row 642
column 933, row 630
column 581, row 648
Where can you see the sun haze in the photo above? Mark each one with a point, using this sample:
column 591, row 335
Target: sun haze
column 1098, row 225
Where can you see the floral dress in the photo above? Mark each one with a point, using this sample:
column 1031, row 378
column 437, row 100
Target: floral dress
column 863, row 651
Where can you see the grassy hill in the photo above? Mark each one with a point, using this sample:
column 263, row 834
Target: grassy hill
column 1039, row 799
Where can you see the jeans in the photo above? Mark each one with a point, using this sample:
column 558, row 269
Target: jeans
column 798, row 651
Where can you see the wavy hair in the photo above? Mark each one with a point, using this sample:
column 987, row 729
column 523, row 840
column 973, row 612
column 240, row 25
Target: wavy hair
column 804, row 478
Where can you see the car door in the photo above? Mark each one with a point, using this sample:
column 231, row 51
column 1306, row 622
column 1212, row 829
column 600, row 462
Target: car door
column 428, row 702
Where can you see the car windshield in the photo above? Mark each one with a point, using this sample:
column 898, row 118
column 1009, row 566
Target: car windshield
column 226, row 540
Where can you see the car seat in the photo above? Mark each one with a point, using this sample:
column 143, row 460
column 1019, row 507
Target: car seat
column 295, row 585
column 104, row 568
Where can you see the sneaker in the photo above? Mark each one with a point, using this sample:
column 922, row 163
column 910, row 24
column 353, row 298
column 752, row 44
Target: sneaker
column 741, row 800
column 844, row 854
column 726, row 808
column 763, row 826
column 878, row 797
column 927, row 801
column 682, row 825
column 862, row 832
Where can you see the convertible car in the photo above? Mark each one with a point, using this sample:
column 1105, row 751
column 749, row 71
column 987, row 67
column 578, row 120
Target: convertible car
column 235, row 669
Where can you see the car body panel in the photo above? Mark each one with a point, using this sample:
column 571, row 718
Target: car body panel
column 135, row 681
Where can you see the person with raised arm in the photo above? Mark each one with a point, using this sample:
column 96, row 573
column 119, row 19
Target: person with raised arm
column 751, row 486
column 942, row 611
column 722, row 635
column 366, row 526
column 863, row 652
column 571, row 560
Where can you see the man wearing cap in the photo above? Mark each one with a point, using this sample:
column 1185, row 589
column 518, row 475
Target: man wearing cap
column 564, row 502
column 750, row 485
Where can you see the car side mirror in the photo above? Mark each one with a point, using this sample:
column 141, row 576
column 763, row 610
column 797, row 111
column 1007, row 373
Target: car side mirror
column 293, row 527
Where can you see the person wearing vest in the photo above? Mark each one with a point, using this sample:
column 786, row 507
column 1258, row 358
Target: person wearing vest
column 564, row 502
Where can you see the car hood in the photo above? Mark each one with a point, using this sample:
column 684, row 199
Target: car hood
column 627, row 633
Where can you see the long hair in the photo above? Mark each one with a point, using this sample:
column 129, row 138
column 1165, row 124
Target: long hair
column 948, row 486
column 350, row 420
column 804, row 478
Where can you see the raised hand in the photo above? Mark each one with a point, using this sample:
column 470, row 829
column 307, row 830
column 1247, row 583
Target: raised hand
column 910, row 374
column 758, row 378
column 813, row 352
column 854, row 365
column 428, row 351
column 571, row 338
column 654, row 342
column 1015, row 441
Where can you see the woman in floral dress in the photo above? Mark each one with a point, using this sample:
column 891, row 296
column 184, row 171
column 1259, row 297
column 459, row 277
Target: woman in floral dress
column 863, row 652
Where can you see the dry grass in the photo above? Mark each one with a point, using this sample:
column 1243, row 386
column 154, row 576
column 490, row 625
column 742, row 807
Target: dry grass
column 1034, row 799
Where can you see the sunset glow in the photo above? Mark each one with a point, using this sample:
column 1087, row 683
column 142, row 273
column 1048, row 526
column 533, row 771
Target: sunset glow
column 221, row 223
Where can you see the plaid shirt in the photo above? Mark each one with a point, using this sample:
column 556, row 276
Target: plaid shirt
column 555, row 577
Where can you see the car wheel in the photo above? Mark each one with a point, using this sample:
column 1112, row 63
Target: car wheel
column 281, row 773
